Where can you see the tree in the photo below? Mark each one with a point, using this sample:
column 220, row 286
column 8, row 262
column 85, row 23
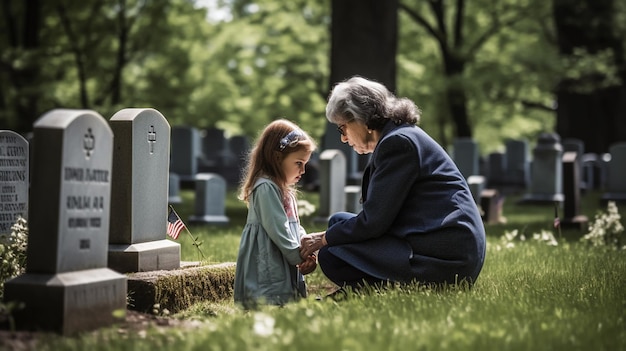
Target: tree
column 19, row 64
column 102, row 55
column 363, row 42
column 592, row 94
column 461, row 29
column 269, row 60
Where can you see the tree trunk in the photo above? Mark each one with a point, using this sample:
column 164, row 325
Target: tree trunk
column 23, row 79
column 364, row 40
column 457, row 97
column 588, row 109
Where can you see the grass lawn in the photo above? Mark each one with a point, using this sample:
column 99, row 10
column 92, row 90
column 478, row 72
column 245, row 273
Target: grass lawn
column 529, row 296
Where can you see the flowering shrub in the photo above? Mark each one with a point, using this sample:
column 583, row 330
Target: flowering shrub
column 544, row 236
column 13, row 251
column 305, row 208
column 606, row 229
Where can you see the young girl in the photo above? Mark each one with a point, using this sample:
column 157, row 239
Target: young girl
column 269, row 266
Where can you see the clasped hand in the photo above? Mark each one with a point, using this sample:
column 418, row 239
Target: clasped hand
column 308, row 265
column 310, row 243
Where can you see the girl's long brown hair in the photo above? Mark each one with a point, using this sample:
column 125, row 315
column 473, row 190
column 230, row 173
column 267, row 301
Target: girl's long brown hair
column 265, row 157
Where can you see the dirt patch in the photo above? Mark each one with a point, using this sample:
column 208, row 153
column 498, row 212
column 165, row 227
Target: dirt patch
column 134, row 323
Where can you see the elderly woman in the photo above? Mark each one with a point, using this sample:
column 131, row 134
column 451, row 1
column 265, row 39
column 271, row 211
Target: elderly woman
column 419, row 222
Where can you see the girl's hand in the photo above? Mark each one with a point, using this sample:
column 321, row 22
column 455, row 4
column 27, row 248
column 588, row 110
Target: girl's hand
column 309, row 243
column 307, row 266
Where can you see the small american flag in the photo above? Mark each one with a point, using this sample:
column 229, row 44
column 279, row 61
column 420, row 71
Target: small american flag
column 174, row 224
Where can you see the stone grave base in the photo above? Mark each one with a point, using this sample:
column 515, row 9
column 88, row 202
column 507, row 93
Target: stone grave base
column 614, row 196
column 578, row 222
column 141, row 257
column 491, row 203
column 537, row 199
column 209, row 219
column 178, row 289
column 69, row 302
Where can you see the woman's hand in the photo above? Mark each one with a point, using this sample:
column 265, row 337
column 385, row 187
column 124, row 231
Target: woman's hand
column 307, row 266
column 310, row 243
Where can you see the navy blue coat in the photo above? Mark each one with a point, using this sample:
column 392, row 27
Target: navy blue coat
column 419, row 221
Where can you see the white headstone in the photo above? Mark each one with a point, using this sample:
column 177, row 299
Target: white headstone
column 67, row 286
column 14, row 179
column 332, row 184
column 140, row 193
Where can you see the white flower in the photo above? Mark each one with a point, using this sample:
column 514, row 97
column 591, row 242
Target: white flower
column 606, row 230
column 263, row 324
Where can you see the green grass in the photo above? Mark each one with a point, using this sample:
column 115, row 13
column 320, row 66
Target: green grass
column 530, row 296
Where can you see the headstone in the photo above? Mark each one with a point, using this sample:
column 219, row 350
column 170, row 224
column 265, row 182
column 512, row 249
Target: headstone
column 571, row 191
column 616, row 174
column 590, row 170
column 239, row 147
column 139, row 194
column 67, row 286
column 465, row 154
column 354, row 162
column 491, row 204
column 311, row 177
column 214, row 149
column 577, row 146
column 603, row 167
column 476, row 185
column 496, row 164
column 14, row 179
column 353, row 198
column 517, row 163
column 173, row 194
column 210, row 200
column 546, row 184
column 185, row 151
column 332, row 182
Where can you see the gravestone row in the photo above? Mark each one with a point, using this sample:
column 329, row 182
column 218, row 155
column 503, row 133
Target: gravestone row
column 197, row 151
column 200, row 151
column 557, row 173
column 540, row 176
column 97, row 208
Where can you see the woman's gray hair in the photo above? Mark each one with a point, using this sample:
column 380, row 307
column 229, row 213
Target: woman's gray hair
column 369, row 102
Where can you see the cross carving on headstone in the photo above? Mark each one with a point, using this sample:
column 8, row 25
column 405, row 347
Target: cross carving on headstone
column 151, row 138
column 88, row 142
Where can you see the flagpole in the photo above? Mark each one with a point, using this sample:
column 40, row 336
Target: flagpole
column 195, row 243
column 557, row 220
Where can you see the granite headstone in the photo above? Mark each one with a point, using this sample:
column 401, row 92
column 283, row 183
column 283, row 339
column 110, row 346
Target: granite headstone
column 67, row 286
column 332, row 184
column 14, row 179
column 139, row 193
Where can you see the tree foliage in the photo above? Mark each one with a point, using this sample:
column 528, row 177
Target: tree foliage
column 110, row 54
column 592, row 89
column 269, row 61
column 486, row 68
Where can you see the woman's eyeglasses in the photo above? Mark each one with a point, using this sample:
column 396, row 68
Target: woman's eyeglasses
column 341, row 129
column 291, row 139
